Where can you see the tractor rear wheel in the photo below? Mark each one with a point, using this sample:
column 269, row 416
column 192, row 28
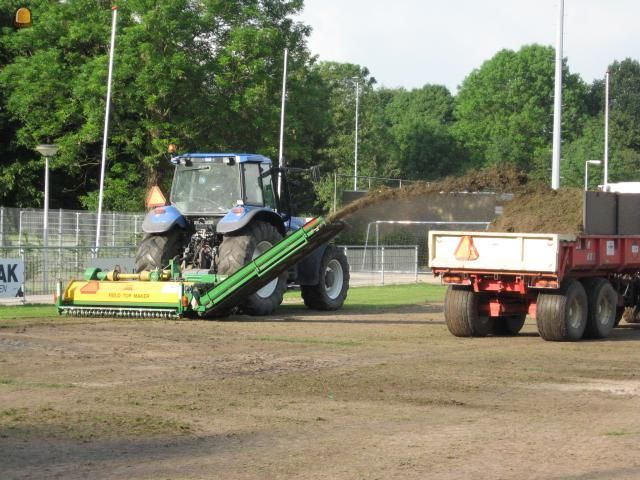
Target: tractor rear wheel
column 156, row 249
column 331, row 292
column 602, row 312
column 461, row 313
column 508, row 325
column 239, row 248
column 562, row 315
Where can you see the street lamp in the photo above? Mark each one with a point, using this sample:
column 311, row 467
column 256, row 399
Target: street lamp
column 355, row 169
column 47, row 151
column 586, row 171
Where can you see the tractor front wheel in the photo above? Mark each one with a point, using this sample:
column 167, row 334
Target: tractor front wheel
column 238, row 249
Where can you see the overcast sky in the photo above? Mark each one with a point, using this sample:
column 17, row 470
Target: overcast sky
column 408, row 43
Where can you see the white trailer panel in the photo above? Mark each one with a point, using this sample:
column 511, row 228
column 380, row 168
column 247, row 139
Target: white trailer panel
column 495, row 251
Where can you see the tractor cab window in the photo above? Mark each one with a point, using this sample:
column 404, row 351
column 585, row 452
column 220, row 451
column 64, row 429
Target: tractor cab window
column 212, row 188
column 252, row 184
column 269, row 188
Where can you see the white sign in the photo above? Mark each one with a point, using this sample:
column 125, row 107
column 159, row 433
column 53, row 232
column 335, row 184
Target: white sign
column 11, row 276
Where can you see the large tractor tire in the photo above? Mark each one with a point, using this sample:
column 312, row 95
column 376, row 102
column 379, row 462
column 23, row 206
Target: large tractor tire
column 562, row 316
column 602, row 302
column 238, row 249
column 461, row 313
column 508, row 325
column 156, row 249
column 331, row 292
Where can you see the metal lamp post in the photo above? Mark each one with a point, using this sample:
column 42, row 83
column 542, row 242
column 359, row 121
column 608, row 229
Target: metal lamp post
column 47, row 151
column 355, row 166
column 586, row 171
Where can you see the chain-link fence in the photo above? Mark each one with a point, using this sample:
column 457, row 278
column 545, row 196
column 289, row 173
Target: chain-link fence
column 385, row 264
column 25, row 227
column 392, row 251
column 43, row 267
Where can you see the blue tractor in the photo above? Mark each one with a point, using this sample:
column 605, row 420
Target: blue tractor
column 224, row 211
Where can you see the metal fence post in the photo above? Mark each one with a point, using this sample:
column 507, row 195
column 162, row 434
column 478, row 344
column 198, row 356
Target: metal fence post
column 382, row 269
column 24, row 272
column 1, row 226
column 20, row 229
column 416, row 263
column 113, row 229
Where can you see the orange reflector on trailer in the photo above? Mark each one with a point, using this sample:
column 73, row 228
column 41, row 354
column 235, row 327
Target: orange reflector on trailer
column 155, row 198
column 466, row 250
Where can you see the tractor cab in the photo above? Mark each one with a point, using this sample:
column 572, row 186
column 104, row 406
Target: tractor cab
column 213, row 184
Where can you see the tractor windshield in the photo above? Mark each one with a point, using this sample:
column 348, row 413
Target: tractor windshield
column 206, row 188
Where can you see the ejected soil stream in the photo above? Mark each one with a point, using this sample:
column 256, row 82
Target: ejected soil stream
column 357, row 394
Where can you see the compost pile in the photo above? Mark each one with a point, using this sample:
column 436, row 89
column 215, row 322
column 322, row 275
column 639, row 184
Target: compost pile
column 535, row 208
column 539, row 209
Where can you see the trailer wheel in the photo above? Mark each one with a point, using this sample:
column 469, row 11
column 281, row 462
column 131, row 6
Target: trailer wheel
column 156, row 249
column 331, row 292
column 562, row 315
column 507, row 326
column 602, row 301
column 238, row 249
column 461, row 313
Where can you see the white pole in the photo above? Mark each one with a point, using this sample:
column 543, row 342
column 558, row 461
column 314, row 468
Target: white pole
column 557, row 109
column 284, row 94
column 45, row 229
column 606, row 131
column 355, row 169
column 106, row 127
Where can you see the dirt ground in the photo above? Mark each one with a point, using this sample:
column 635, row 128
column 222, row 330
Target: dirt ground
column 360, row 394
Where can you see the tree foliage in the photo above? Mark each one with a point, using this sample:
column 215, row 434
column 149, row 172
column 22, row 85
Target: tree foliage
column 207, row 74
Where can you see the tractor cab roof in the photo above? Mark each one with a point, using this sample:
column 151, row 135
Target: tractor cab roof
column 218, row 157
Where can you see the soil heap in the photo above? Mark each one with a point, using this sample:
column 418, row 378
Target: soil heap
column 535, row 208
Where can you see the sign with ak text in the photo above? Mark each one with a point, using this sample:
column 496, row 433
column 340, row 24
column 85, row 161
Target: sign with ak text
column 11, row 276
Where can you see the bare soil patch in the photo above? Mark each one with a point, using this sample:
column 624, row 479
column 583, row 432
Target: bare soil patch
column 353, row 395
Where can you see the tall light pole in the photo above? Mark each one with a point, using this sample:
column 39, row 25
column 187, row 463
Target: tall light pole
column 114, row 9
column 355, row 167
column 606, row 130
column 47, row 151
column 281, row 162
column 557, row 108
column 586, row 171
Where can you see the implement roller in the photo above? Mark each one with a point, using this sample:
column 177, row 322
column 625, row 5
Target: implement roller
column 170, row 293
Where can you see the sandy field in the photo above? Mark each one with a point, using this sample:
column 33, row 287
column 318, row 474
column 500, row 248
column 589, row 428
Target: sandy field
column 358, row 394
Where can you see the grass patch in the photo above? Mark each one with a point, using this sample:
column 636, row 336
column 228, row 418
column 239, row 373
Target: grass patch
column 616, row 433
column 7, row 381
column 27, row 311
column 386, row 296
column 381, row 297
column 86, row 425
column 309, row 341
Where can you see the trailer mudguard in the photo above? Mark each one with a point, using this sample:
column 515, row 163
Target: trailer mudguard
column 240, row 216
column 162, row 219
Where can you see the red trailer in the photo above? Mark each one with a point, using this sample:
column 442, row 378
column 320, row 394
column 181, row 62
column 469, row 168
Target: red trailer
column 574, row 286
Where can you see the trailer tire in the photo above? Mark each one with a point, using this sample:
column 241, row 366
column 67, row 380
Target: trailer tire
column 602, row 308
column 331, row 292
column 508, row 325
column 461, row 313
column 562, row 316
column 239, row 248
column 156, row 249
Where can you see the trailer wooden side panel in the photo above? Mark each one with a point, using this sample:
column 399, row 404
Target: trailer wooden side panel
column 501, row 252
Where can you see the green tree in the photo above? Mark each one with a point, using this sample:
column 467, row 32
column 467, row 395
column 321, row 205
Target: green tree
column 205, row 75
column 420, row 122
column 504, row 109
